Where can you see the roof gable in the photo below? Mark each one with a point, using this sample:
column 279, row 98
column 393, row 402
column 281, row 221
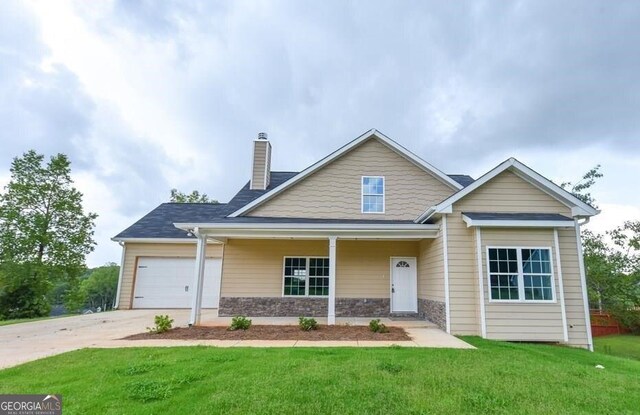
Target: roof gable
column 371, row 134
column 577, row 206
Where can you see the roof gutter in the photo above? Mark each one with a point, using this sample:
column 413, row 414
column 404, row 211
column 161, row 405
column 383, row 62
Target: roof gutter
column 312, row 231
column 167, row 240
column 305, row 226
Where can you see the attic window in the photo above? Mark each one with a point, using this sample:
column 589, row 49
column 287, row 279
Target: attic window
column 372, row 194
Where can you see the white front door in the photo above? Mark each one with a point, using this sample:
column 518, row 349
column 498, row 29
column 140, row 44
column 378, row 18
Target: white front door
column 404, row 285
column 167, row 283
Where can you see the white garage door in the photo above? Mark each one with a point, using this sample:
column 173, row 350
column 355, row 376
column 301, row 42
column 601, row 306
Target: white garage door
column 168, row 283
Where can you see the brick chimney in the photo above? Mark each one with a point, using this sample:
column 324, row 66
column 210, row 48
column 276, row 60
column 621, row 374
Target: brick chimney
column 261, row 168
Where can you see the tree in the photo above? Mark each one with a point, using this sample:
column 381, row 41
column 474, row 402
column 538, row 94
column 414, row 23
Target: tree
column 44, row 233
column 193, row 197
column 101, row 286
column 613, row 272
column 579, row 189
column 604, row 268
column 97, row 289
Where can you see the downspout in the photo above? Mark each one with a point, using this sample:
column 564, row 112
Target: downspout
column 121, row 273
column 583, row 281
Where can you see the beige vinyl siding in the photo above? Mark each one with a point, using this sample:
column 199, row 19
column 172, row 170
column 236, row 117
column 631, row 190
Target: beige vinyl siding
column 463, row 277
column 510, row 194
column 254, row 268
column 135, row 250
column 431, row 269
column 261, row 163
column 363, row 267
column 522, row 320
column 335, row 190
column 572, row 287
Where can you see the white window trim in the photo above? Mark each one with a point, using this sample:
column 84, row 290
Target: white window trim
column 521, row 299
column 362, row 195
column 306, row 281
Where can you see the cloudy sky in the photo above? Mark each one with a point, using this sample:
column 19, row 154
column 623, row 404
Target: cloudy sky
column 149, row 95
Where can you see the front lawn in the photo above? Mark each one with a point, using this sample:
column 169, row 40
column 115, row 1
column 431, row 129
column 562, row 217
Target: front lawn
column 624, row 345
column 497, row 378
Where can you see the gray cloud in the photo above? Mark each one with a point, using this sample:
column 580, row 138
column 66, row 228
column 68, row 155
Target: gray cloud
column 517, row 75
column 463, row 84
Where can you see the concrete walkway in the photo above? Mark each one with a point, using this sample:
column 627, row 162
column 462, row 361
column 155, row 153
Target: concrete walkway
column 24, row 342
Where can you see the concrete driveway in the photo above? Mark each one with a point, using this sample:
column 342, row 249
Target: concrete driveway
column 25, row 342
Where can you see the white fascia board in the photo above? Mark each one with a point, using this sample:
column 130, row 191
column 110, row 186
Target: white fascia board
column 517, row 223
column 426, row 215
column 157, row 240
column 310, row 231
column 202, row 227
column 578, row 207
column 336, row 154
column 319, row 234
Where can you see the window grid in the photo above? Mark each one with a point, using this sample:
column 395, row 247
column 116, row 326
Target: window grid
column 373, row 194
column 527, row 277
column 536, row 267
column 503, row 269
column 306, row 276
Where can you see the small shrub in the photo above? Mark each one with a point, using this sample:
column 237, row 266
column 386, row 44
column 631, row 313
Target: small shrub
column 240, row 323
column 307, row 324
column 163, row 324
column 377, row 327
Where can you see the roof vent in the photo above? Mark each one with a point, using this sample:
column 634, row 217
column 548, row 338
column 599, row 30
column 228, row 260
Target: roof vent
column 262, row 136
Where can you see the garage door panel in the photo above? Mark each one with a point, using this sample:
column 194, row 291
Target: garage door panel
column 167, row 282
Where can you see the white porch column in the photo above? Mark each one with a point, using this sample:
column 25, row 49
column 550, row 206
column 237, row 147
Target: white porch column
column 198, row 279
column 331, row 314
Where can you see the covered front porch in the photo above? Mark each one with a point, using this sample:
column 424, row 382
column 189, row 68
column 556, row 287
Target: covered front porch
column 329, row 271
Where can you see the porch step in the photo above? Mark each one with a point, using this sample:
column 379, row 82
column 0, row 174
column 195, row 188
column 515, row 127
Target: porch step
column 404, row 316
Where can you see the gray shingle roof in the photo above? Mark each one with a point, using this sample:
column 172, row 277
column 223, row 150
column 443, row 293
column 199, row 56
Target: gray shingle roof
column 516, row 216
column 159, row 222
column 462, row 179
column 246, row 195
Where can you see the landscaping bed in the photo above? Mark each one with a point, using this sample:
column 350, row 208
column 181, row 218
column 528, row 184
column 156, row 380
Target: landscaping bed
column 276, row 332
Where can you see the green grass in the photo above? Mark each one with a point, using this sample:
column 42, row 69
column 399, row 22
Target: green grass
column 496, row 378
column 625, row 345
column 26, row 320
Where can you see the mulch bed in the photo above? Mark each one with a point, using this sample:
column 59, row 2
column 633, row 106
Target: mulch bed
column 276, row 332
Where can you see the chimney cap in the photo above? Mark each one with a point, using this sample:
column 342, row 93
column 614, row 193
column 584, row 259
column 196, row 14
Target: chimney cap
column 262, row 136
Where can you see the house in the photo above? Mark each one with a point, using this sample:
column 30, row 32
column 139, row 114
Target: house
column 373, row 230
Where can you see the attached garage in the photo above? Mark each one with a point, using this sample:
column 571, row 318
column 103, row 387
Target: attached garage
column 162, row 282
